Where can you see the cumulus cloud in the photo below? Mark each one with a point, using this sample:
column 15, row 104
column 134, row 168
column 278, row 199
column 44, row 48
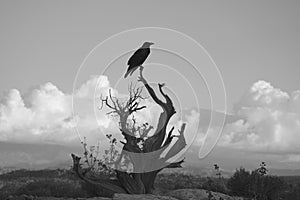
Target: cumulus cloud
column 263, row 94
column 47, row 114
column 269, row 121
column 266, row 119
column 48, row 109
column 50, row 115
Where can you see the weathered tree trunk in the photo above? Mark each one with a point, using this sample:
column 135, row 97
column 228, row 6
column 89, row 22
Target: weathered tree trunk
column 142, row 180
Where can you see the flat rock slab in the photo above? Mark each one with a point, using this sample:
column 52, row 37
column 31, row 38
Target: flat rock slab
column 26, row 197
column 180, row 194
column 116, row 197
column 141, row 197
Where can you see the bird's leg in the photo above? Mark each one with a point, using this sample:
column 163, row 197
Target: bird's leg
column 141, row 67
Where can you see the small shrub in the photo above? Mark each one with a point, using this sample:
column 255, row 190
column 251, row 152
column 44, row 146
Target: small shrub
column 239, row 183
column 255, row 184
column 214, row 185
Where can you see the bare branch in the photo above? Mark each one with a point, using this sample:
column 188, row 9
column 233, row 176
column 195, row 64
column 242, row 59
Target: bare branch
column 175, row 165
column 169, row 137
column 179, row 144
column 150, row 90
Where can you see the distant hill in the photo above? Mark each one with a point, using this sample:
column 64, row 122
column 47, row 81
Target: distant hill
column 50, row 156
column 226, row 158
column 36, row 156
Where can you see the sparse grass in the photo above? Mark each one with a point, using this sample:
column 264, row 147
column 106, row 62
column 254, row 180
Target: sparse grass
column 62, row 183
column 45, row 173
column 173, row 181
column 52, row 188
column 178, row 181
column 53, row 183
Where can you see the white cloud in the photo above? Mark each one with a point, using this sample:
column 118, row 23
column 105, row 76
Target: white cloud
column 48, row 114
column 47, row 117
column 266, row 118
column 263, row 94
column 269, row 121
column 93, row 86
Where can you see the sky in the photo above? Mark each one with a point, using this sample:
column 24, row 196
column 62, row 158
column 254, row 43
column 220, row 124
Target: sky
column 254, row 44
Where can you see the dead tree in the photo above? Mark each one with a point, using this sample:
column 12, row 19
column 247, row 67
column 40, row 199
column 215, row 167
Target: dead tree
column 143, row 150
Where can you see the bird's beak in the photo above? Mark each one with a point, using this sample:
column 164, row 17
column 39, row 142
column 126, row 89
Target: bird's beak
column 151, row 43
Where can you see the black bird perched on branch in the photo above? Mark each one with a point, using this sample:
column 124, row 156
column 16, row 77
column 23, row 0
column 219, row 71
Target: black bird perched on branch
column 138, row 58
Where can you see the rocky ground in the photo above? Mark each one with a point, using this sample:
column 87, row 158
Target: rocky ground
column 180, row 194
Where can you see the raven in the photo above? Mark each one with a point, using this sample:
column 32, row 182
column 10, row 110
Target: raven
column 138, row 58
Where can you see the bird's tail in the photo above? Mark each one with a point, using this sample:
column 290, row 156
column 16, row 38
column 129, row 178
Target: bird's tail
column 133, row 70
column 127, row 73
column 130, row 72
